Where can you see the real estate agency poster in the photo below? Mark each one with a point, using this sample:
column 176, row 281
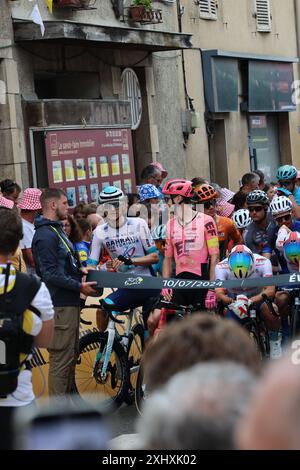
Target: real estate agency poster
column 84, row 161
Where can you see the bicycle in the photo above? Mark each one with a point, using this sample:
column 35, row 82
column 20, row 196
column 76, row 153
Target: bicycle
column 176, row 312
column 108, row 362
column 256, row 326
column 295, row 314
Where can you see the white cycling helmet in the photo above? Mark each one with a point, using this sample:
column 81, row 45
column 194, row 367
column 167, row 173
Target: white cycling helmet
column 111, row 194
column 280, row 205
column 242, row 218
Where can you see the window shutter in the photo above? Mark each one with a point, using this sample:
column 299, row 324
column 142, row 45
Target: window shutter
column 131, row 91
column 263, row 16
column 208, row 9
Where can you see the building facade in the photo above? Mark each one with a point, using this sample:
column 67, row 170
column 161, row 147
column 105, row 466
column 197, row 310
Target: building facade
column 94, row 99
column 240, row 73
column 203, row 86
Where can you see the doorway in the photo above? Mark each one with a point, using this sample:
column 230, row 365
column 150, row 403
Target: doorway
column 264, row 146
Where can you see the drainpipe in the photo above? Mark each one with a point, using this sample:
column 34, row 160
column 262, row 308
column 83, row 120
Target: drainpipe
column 180, row 12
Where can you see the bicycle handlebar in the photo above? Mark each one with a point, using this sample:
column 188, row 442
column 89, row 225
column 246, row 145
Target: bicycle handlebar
column 173, row 306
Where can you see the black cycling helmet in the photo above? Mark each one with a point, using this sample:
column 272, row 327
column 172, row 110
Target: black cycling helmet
column 257, row 197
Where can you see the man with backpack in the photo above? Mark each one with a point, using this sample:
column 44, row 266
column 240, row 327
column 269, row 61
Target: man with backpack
column 26, row 319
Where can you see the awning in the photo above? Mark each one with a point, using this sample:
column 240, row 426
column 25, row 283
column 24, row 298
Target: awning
column 107, row 36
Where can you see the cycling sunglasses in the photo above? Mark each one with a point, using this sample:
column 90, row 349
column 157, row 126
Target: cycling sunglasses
column 284, row 218
column 256, row 209
column 285, row 183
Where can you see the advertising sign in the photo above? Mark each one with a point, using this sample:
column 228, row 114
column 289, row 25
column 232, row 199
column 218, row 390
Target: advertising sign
column 84, row 161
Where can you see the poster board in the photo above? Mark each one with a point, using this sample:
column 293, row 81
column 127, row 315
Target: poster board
column 83, row 162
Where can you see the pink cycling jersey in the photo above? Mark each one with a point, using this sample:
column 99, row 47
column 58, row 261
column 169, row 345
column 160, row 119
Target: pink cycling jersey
column 191, row 244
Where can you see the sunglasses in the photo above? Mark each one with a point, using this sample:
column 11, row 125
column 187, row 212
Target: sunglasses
column 285, row 183
column 284, row 218
column 209, row 204
column 256, row 209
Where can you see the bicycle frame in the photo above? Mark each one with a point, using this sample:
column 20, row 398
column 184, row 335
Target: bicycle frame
column 123, row 339
column 295, row 314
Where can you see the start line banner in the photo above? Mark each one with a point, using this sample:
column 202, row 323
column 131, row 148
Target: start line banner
column 106, row 279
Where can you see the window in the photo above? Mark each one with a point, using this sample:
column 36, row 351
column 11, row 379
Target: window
column 263, row 16
column 208, row 9
column 131, row 91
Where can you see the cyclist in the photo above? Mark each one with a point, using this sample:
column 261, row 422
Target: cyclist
column 290, row 250
column 242, row 219
column 192, row 242
column 227, row 231
column 243, row 264
column 287, row 178
column 159, row 237
column 282, row 208
column 131, row 249
column 282, row 211
column 263, row 227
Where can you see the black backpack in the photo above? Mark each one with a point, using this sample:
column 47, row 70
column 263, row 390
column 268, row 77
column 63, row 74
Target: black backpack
column 13, row 339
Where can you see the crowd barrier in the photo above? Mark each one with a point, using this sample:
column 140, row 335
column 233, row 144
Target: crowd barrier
column 125, row 281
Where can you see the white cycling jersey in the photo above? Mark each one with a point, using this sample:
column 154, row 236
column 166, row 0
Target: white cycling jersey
column 133, row 240
column 263, row 268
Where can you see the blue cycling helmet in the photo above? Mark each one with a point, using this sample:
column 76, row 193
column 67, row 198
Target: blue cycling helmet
column 111, row 194
column 160, row 232
column 148, row 191
column 286, row 172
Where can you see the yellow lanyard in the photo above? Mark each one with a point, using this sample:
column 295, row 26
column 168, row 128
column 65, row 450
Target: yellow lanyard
column 62, row 239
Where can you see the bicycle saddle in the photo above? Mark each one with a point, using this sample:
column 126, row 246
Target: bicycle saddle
column 111, row 307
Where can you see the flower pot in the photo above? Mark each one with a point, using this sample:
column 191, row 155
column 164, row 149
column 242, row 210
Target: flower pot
column 137, row 12
column 72, row 3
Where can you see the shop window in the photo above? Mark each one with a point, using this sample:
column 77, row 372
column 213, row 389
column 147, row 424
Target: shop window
column 208, row 9
column 263, row 16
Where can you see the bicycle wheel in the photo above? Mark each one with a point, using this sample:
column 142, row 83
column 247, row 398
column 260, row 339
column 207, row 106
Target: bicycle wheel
column 295, row 321
column 134, row 355
column 140, row 391
column 87, row 380
column 260, row 337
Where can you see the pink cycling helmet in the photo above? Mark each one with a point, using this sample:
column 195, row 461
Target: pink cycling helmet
column 178, row 187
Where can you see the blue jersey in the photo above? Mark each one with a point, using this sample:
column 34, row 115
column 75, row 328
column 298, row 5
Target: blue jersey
column 296, row 194
column 258, row 239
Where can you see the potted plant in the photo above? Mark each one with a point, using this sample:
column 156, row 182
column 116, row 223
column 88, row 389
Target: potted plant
column 72, row 3
column 140, row 9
